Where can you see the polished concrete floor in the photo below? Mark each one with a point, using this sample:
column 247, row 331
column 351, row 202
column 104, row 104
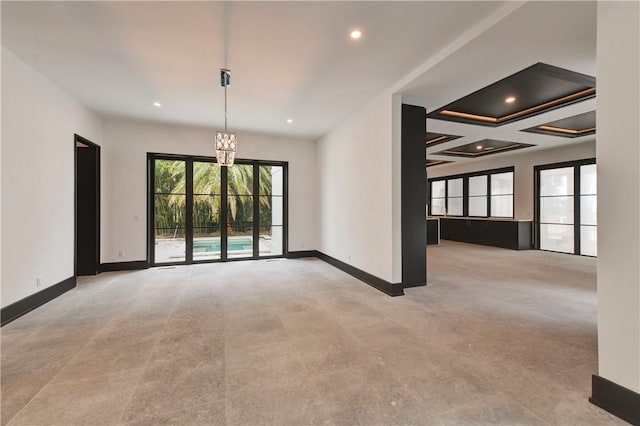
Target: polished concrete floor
column 498, row 337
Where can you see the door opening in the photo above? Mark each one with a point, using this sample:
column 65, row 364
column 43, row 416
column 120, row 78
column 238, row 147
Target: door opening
column 87, row 207
column 201, row 212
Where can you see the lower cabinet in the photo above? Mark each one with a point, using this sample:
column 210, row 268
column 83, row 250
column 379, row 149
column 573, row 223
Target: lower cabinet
column 433, row 231
column 511, row 234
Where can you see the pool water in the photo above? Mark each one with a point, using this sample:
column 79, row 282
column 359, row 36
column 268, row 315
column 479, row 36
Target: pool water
column 233, row 244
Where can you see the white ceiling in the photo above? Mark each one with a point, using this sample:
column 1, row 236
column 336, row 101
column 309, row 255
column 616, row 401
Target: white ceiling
column 557, row 33
column 288, row 59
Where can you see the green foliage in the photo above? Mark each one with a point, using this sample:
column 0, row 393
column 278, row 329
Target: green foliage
column 170, row 198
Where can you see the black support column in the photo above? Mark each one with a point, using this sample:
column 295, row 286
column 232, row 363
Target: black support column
column 414, row 196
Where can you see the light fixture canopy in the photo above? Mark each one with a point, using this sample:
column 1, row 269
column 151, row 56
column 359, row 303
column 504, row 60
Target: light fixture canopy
column 226, row 142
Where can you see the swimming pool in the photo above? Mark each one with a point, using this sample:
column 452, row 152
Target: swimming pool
column 213, row 245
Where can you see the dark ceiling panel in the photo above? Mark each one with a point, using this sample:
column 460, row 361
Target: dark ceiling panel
column 431, row 163
column 570, row 127
column 438, row 138
column 482, row 148
column 534, row 90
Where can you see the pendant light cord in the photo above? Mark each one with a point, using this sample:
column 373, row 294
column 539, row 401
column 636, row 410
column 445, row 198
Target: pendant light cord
column 225, row 108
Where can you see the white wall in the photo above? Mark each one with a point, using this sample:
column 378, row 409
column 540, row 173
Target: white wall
column 618, row 149
column 128, row 143
column 523, row 174
column 38, row 125
column 356, row 195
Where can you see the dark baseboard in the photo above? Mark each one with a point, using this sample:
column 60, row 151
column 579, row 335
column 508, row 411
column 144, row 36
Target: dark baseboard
column 123, row 266
column 414, row 285
column 616, row 399
column 29, row 303
column 301, row 254
column 372, row 280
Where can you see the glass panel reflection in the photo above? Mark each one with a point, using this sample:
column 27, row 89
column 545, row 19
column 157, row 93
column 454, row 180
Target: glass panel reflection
column 477, row 185
column 589, row 240
column 556, row 238
column 455, row 206
column 169, row 245
column 588, row 180
column 556, row 210
column 502, row 206
column 477, row 206
column 589, row 210
column 502, row 183
column 454, row 187
column 438, row 206
column 556, row 182
column 438, row 189
column 271, row 240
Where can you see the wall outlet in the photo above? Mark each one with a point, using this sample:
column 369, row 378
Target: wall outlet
column 349, row 257
column 301, row 245
column 38, row 281
column 135, row 218
column 120, row 254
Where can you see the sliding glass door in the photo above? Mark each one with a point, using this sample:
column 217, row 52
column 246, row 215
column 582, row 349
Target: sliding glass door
column 271, row 210
column 240, row 220
column 566, row 207
column 206, row 211
column 170, row 216
column 201, row 212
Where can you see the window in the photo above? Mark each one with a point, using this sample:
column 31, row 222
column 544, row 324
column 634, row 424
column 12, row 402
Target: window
column 502, row 194
column 455, row 197
column 588, row 210
column 201, row 212
column 556, row 210
column 566, row 208
column 478, row 194
column 438, row 198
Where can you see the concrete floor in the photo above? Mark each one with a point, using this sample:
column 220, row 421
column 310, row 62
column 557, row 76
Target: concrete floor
column 498, row 337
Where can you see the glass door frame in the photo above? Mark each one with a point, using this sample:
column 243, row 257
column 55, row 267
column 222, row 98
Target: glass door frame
column 576, row 201
column 189, row 160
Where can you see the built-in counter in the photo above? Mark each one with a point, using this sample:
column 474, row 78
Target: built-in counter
column 496, row 232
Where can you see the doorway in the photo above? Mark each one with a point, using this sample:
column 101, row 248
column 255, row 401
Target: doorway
column 202, row 212
column 566, row 207
column 87, row 206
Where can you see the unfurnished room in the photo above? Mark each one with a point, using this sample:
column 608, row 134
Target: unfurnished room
column 337, row 213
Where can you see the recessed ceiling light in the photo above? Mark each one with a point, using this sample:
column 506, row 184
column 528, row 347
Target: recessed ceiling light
column 356, row 34
column 510, row 99
column 157, row 104
column 289, row 120
column 479, row 147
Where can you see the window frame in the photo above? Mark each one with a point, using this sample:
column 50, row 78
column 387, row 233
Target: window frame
column 577, row 220
column 465, row 195
column 189, row 160
column 512, row 194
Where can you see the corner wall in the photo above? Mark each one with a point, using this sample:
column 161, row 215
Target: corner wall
column 523, row 175
column 38, row 125
column 618, row 125
column 357, row 174
column 125, row 160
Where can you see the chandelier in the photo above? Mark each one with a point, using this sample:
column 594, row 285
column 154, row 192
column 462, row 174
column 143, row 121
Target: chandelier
column 226, row 142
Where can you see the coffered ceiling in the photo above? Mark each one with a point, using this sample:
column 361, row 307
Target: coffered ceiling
column 471, row 81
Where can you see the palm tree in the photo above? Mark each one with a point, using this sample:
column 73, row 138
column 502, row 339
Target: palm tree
column 207, row 183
